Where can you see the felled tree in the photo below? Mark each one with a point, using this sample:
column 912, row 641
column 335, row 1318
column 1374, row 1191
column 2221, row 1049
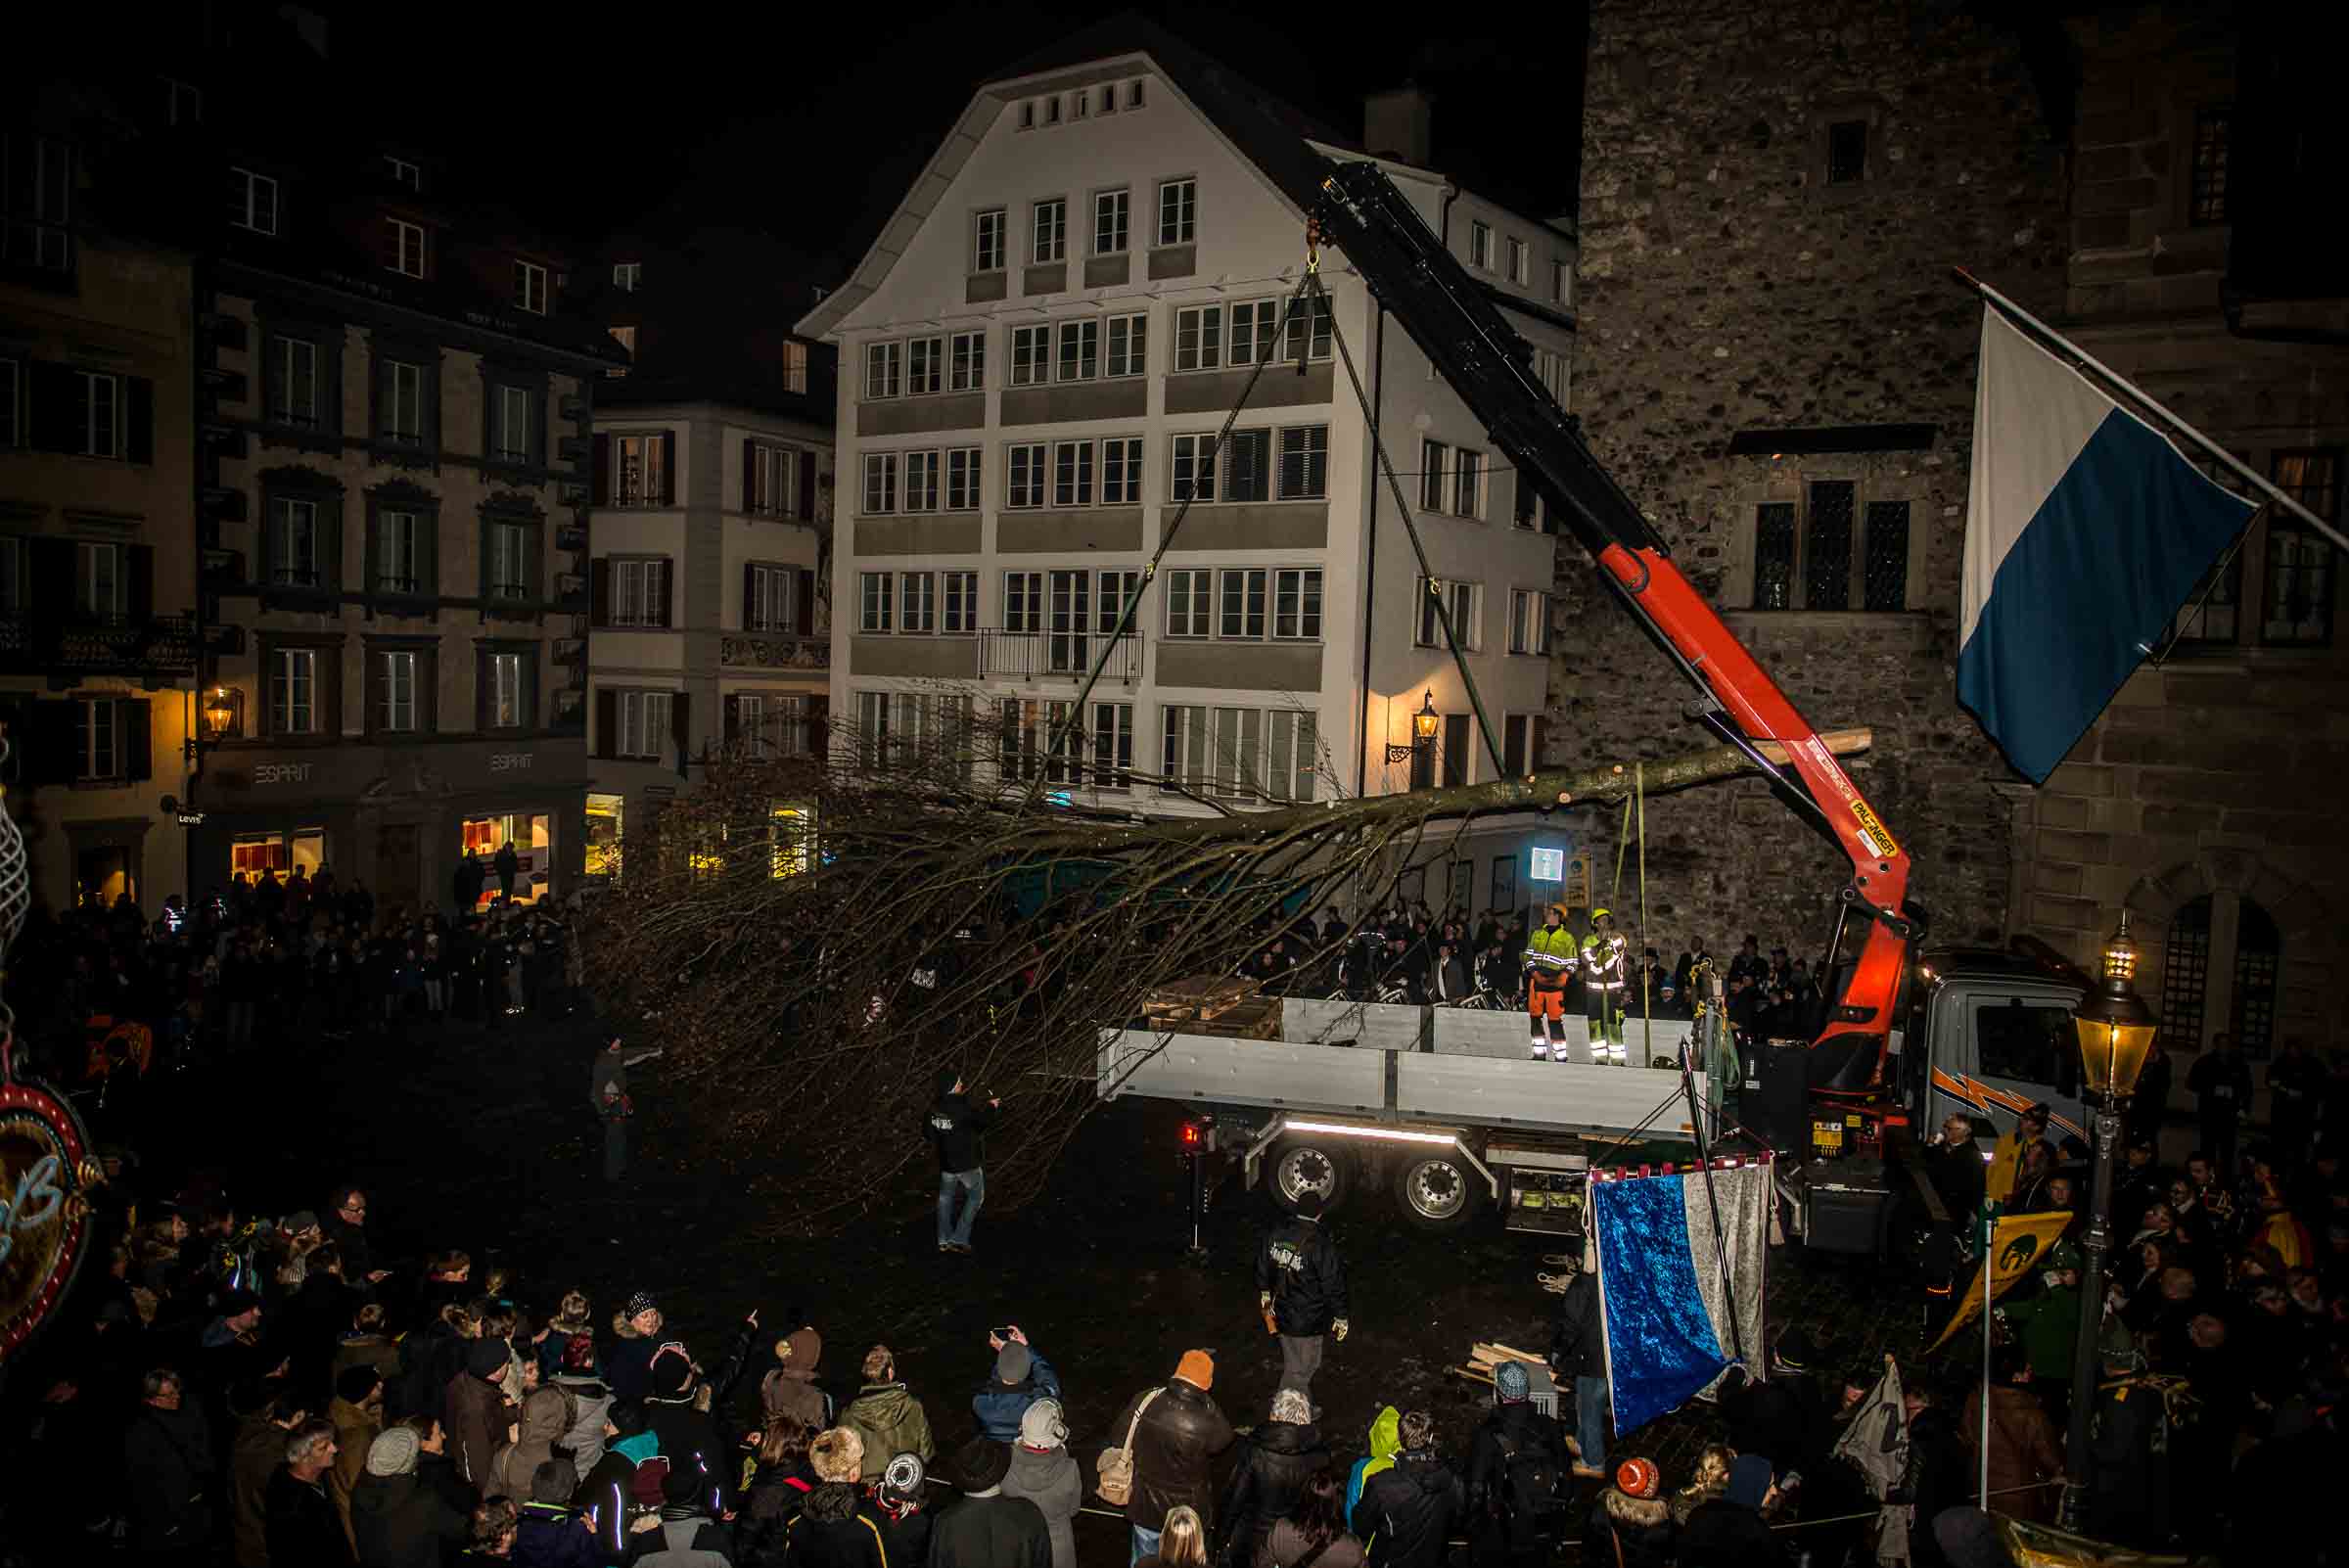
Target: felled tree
column 813, row 941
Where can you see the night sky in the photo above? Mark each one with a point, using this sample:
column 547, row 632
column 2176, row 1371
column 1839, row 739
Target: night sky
column 691, row 117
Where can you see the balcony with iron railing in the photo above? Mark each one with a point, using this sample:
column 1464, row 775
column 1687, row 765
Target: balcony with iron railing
column 71, row 642
column 1058, row 655
column 774, row 650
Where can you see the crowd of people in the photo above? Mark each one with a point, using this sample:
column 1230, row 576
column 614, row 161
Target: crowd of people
column 107, row 998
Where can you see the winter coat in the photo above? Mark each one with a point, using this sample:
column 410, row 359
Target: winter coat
column 956, row 1126
column 169, row 1463
column 1577, row 1346
column 790, row 1389
column 1288, row 1548
column 549, row 1535
column 401, row 1521
column 477, row 1421
column 1299, row 1265
column 1723, row 1533
column 2129, row 1465
column 1178, row 1434
column 1050, row 1481
column 905, row 1532
column 836, row 1529
column 1491, row 1487
column 769, row 1503
column 629, row 1364
column 690, row 1539
column 2022, row 1450
column 1782, row 1419
column 990, row 1531
column 890, row 1422
column 355, row 1430
column 590, row 1402
column 630, row 1472
column 1386, row 1441
column 999, row 1405
column 368, row 1350
column 545, row 1420
column 1275, row 1465
column 1636, row 1532
column 302, row 1526
column 690, row 1439
column 1937, row 1477
column 258, row 1451
column 1408, row 1511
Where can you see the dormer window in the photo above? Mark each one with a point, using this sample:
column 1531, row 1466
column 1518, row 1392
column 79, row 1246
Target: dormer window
column 1052, row 109
column 1134, row 94
column 529, row 286
column 401, row 171
column 1028, row 115
column 405, row 248
column 625, row 275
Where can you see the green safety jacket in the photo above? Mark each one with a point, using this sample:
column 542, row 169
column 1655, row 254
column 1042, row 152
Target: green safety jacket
column 1603, row 959
column 1551, row 957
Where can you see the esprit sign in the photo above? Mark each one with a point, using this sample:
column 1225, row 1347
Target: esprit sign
column 509, row 761
column 282, row 772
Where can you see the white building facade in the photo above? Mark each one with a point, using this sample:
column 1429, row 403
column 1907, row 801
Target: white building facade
column 1036, row 358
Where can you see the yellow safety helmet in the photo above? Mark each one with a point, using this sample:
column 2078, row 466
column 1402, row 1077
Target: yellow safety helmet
column 1559, row 911
column 1603, row 914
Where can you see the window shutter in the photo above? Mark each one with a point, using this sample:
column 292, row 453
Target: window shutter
column 750, row 598
column 733, row 720
column 599, row 590
column 138, row 739
column 52, row 574
column 330, row 545
column 603, row 471
column 805, row 462
column 330, row 688
column 489, row 582
column 372, row 563
column 138, row 429
column 802, row 583
column 140, row 591
column 55, row 407
column 1455, row 749
column 1533, row 762
column 668, row 590
column 427, row 552
column 484, row 680
column 680, row 727
column 49, row 746
column 749, row 466
column 607, row 720
column 669, row 467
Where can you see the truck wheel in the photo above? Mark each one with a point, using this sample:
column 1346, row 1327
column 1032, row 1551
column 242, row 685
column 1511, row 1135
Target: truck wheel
column 1436, row 1192
column 1301, row 1165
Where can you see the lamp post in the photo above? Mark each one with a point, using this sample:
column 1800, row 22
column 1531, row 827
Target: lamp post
column 2116, row 1031
column 1424, row 724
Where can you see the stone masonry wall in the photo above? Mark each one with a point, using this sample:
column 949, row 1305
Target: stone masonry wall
column 1726, row 285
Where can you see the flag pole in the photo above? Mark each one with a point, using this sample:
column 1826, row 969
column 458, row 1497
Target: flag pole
column 2135, row 393
column 1990, row 1235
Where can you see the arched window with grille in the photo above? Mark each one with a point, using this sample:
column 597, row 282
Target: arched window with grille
column 2186, row 975
column 2258, row 953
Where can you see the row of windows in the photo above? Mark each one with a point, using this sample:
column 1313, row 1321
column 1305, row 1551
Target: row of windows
column 101, row 586
column 301, row 390
column 301, row 545
column 301, row 699
column 1081, row 103
column 81, row 413
column 255, row 204
column 1287, row 463
column 1515, row 261
column 638, row 469
column 1176, row 221
column 1237, row 752
column 1092, row 348
column 639, row 590
column 2292, row 602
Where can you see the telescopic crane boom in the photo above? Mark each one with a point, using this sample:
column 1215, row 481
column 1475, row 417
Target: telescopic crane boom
column 1448, row 315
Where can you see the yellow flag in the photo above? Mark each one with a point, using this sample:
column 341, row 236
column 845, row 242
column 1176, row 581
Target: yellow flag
column 2014, row 1247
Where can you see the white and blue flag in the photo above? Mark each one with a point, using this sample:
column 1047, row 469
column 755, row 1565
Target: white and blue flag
column 2086, row 530
column 1680, row 1290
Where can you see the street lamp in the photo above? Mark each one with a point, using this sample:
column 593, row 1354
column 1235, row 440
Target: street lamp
column 220, row 715
column 1424, row 724
column 2116, row 1031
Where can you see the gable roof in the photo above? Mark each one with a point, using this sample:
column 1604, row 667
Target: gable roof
column 1273, row 136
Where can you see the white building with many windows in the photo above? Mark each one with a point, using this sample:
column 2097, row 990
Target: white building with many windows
column 1037, row 356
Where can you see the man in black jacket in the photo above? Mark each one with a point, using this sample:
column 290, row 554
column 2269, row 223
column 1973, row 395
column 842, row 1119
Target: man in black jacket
column 1301, row 1287
column 1513, row 1470
column 171, row 1465
column 1276, row 1464
column 1407, row 1508
column 986, row 1529
column 1578, row 1352
column 301, row 1522
column 955, row 1126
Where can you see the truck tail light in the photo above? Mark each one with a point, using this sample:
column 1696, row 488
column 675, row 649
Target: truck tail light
column 1194, row 1136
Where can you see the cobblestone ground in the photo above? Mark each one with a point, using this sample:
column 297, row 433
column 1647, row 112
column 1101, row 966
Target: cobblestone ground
column 482, row 1138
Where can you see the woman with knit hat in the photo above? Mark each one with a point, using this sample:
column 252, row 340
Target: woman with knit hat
column 836, row 1528
column 1177, row 1431
column 1631, row 1519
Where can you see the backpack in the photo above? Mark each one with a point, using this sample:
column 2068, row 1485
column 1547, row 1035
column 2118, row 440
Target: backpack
column 1530, row 1490
column 578, row 1355
column 647, row 1482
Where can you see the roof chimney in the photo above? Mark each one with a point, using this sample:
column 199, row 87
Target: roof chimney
column 1396, row 125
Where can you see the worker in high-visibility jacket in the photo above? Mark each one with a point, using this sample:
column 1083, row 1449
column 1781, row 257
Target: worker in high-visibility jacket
column 1550, row 955
column 1606, row 964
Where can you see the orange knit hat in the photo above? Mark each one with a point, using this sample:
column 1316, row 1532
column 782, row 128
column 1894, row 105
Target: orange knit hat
column 1638, row 1478
column 1197, row 1368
